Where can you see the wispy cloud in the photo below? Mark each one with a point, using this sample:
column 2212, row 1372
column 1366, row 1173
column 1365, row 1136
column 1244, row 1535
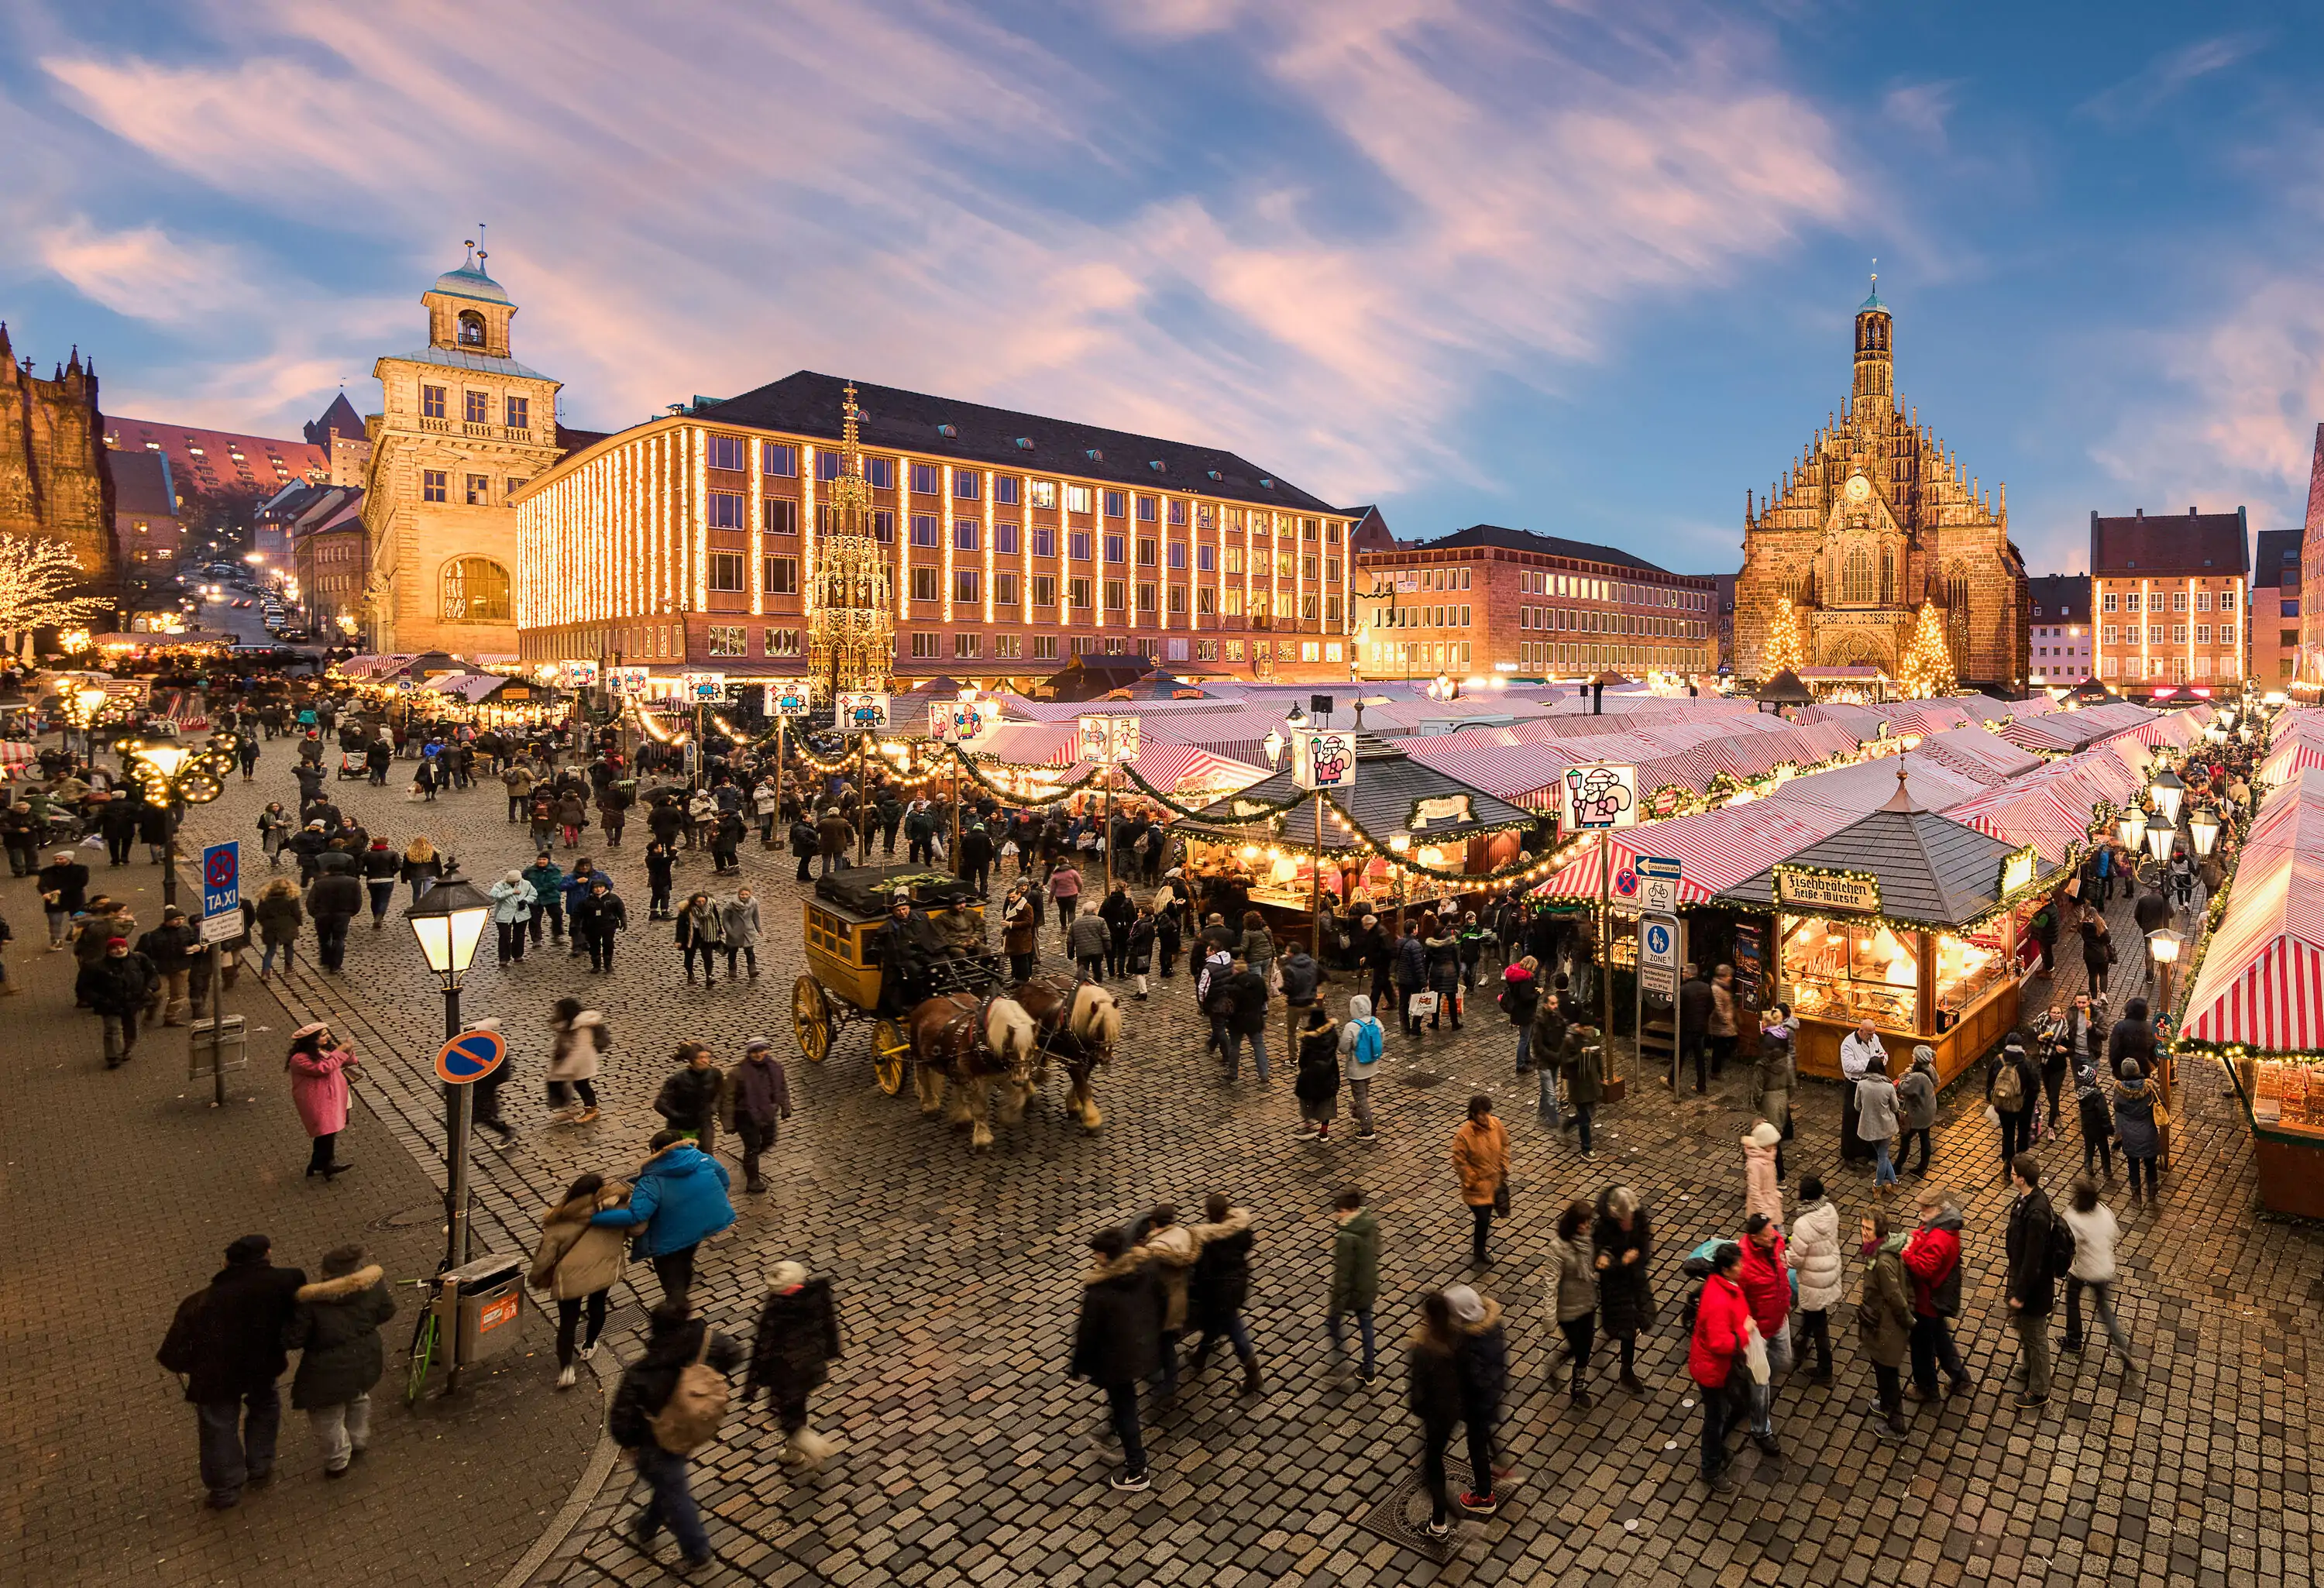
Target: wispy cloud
column 919, row 196
column 2134, row 98
column 1922, row 108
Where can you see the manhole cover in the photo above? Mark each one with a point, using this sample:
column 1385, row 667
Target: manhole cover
column 1420, row 1078
column 408, row 1218
column 1401, row 1517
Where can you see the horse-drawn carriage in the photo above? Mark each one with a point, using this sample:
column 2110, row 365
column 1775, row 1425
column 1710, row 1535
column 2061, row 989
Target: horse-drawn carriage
column 952, row 1016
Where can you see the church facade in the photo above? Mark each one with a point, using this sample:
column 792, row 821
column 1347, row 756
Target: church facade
column 1874, row 517
column 56, row 477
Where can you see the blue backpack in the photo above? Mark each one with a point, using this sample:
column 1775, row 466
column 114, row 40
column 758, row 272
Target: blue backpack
column 1370, row 1042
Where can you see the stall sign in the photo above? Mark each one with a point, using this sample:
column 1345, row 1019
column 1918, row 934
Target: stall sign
column 578, row 673
column 628, row 679
column 940, row 726
column 790, row 698
column 860, row 712
column 1447, row 808
column 2016, row 871
column 703, row 686
column 1597, row 799
column 1661, row 880
column 1322, row 759
column 1108, row 738
column 1807, row 888
column 972, row 720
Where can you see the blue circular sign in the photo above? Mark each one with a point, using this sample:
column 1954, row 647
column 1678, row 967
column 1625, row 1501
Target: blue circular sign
column 470, row 1057
column 1658, row 940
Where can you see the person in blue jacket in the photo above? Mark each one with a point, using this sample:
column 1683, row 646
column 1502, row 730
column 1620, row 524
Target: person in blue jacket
column 678, row 1200
column 548, row 891
column 577, row 888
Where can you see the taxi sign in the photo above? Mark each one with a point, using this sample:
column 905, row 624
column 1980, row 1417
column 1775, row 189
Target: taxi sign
column 470, row 1057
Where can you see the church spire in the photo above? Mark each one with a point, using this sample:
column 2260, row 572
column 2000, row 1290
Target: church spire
column 1875, row 375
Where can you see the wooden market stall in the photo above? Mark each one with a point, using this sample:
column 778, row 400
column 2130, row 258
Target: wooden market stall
column 1265, row 841
column 1907, row 918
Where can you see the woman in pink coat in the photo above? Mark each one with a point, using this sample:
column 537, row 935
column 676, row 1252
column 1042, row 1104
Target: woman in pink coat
column 319, row 1084
column 1761, row 1191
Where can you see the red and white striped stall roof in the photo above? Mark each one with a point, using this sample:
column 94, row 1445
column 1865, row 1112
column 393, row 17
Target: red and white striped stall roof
column 2262, row 980
column 1715, row 850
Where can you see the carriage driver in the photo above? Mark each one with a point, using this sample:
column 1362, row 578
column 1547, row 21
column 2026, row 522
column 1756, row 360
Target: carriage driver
column 909, row 942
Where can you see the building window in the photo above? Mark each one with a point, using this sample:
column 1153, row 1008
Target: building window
column 1077, row 593
column 518, row 412
column 729, row 452
column 1234, row 650
column 1234, row 602
column 1177, row 598
column 2202, row 601
column 1117, row 504
column 1004, row 589
column 514, row 485
column 2178, row 600
column 1178, row 555
column 1311, row 650
column 2226, row 633
column 1855, row 587
column 1178, row 515
column 781, row 574
column 2177, row 634
column 480, row 491
column 1009, row 646
column 470, row 328
column 782, row 642
column 475, row 591
column 924, row 585
column 925, row 478
column 880, row 472
column 1206, row 651
column 1045, row 540
column 728, row 510
column 883, row 525
column 1115, row 548
column 1115, row 591
column 432, row 485
column 924, row 529
column 1045, row 589
column 431, row 403
column 1045, row 648
column 970, row 645
column 1077, row 545
column 1004, row 490
column 2111, row 634
column 966, row 534
column 476, row 407
column 1146, row 508
column 2130, row 601
column 1042, row 494
column 1146, row 551
column 779, row 514
column 1004, row 538
column 728, row 640
column 1203, row 559
column 727, row 570
column 967, row 485
column 826, row 465
column 967, row 586
column 925, row 645
column 2202, row 634
column 1077, row 498
column 778, row 457
column 1206, row 601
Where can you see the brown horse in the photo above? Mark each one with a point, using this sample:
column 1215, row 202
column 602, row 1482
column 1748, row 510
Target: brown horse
column 972, row 1042
column 1080, row 1022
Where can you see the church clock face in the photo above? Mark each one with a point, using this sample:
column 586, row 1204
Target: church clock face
column 1858, row 488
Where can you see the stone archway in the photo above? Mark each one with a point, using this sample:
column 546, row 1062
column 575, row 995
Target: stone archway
column 1855, row 649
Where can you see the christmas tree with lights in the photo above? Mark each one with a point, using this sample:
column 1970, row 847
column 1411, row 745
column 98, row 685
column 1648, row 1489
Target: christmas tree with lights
column 1928, row 665
column 1784, row 648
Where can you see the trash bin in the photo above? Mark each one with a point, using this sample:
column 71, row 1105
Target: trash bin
column 487, row 1298
column 232, row 1047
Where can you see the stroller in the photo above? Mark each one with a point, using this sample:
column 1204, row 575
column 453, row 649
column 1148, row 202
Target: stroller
column 351, row 765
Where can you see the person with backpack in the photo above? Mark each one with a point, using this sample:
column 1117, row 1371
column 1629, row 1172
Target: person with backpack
column 2012, row 1089
column 227, row 1342
column 1220, row 1284
column 669, row 1404
column 1363, row 1041
column 797, row 1340
column 1570, row 1295
column 1932, row 1257
column 1481, row 1157
column 2137, row 1114
column 2094, row 1232
column 677, row 1201
column 2097, row 1120
column 2040, row 1251
column 1884, row 1317
column 1246, row 992
column 1355, row 1275
column 1117, row 1343
column 336, row 1332
column 1520, row 999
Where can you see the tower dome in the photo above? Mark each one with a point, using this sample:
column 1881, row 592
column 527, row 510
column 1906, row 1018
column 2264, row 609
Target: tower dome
column 469, row 311
column 1875, row 370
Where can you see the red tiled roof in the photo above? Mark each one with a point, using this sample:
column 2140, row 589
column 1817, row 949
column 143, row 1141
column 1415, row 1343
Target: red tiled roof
column 2168, row 543
column 208, row 460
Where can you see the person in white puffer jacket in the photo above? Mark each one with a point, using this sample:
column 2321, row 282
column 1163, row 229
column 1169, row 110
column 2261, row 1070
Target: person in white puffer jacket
column 2095, row 1233
column 1815, row 1255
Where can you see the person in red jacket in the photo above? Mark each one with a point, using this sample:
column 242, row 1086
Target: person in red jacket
column 1932, row 1260
column 1767, row 1290
column 1715, row 1356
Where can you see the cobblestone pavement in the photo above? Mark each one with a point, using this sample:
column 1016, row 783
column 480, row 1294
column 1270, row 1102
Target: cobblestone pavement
column 122, row 1189
column 970, row 1456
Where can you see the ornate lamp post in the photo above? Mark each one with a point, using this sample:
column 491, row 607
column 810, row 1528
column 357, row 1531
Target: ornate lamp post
column 2204, row 827
column 448, row 922
column 173, row 774
column 2169, row 793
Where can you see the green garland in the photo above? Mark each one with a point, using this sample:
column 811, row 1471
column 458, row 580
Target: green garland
column 968, row 764
column 1266, row 807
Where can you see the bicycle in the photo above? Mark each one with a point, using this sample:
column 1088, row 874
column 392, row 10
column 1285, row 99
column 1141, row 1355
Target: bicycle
column 425, row 1340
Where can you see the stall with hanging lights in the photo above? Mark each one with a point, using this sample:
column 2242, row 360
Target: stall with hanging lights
column 1904, row 917
column 1356, row 821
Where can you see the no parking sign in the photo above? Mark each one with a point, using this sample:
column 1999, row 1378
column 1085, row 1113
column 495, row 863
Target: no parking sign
column 470, row 1057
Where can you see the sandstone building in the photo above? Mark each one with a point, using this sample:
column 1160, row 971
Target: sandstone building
column 1873, row 518
column 463, row 428
column 55, row 477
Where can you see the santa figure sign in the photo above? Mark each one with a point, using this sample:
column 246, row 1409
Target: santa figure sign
column 1320, row 758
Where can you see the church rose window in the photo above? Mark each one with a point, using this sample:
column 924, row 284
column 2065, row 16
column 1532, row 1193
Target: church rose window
column 475, row 591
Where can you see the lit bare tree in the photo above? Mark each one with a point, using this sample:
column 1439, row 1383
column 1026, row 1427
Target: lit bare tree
column 38, row 579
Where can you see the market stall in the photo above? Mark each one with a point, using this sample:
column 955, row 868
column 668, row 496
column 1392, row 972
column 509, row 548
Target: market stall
column 2258, row 999
column 1403, row 836
column 1903, row 917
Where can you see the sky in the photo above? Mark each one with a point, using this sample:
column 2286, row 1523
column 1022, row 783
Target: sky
column 1583, row 268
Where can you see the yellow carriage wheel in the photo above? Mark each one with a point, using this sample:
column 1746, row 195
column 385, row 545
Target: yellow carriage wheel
column 811, row 1018
column 891, row 1057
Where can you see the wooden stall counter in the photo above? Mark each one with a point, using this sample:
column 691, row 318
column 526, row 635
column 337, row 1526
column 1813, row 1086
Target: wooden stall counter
column 1816, row 1048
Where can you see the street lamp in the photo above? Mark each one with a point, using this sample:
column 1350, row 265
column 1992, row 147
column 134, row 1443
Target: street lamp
column 173, row 774
column 1273, row 745
column 2168, row 791
column 2159, row 835
column 1295, row 719
column 448, row 920
column 2205, row 828
column 2133, row 824
column 2164, row 944
column 88, row 700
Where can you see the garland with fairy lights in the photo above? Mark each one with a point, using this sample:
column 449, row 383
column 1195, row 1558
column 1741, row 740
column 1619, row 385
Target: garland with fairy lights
column 1066, row 791
column 1258, row 808
column 1368, row 845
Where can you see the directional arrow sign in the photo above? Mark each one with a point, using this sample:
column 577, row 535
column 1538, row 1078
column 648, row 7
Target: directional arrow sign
column 470, row 1057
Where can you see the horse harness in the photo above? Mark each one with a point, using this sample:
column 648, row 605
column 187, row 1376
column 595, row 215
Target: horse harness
column 959, row 1038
